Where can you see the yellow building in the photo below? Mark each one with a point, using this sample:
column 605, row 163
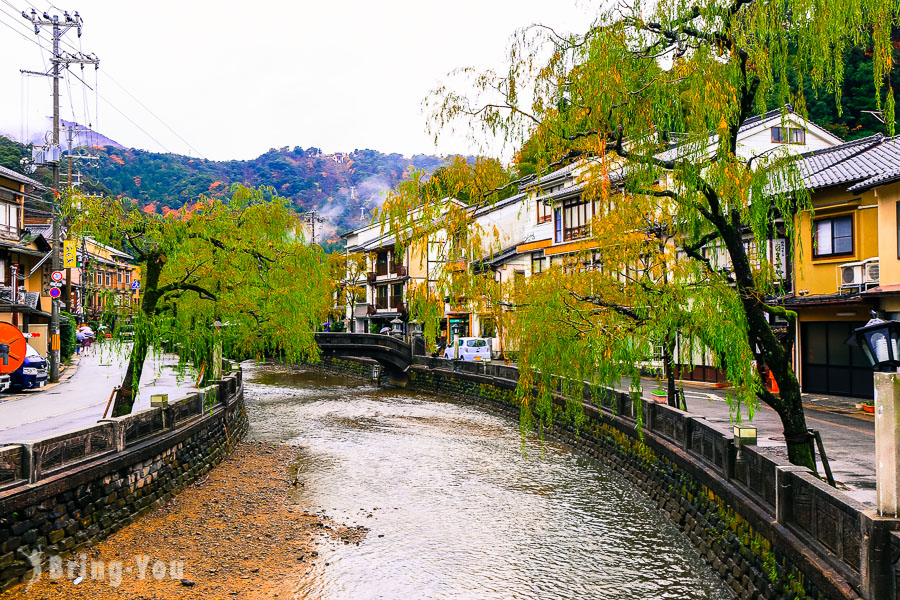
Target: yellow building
column 847, row 262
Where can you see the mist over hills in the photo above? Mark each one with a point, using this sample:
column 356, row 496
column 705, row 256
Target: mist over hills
column 343, row 187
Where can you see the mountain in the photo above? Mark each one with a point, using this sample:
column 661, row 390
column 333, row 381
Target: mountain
column 86, row 138
column 343, row 187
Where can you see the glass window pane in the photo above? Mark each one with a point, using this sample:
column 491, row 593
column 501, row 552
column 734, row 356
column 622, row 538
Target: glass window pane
column 843, row 226
column 823, row 237
column 843, row 245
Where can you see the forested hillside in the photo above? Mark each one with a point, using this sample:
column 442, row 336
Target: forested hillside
column 343, row 187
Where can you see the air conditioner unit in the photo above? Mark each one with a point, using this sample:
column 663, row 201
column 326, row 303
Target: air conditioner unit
column 871, row 272
column 850, row 275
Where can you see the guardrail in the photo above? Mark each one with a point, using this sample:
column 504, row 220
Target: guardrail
column 30, row 462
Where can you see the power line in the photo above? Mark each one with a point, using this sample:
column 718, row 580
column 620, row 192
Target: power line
column 130, row 120
column 145, row 107
column 97, row 94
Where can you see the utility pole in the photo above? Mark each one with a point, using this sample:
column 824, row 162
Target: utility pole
column 72, row 181
column 58, row 26
column 312, row 217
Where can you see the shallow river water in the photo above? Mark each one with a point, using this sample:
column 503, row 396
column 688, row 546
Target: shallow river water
column 456, row 508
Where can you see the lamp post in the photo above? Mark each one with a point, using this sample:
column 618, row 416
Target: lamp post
column 880, row 342
column 456, row 329
column 396, row 328
column 216, row 370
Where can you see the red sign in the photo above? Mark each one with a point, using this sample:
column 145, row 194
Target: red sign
column 12, row 348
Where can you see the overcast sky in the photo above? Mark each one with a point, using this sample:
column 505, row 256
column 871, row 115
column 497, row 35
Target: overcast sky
column 237, row 78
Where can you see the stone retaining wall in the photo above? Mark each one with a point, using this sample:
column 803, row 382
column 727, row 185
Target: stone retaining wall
column 770, row 529
column 61, row 494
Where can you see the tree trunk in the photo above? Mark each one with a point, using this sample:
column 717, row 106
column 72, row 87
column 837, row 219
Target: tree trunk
column 128, row 391
column 767, row 348
column 788, row 404
column 668, row 365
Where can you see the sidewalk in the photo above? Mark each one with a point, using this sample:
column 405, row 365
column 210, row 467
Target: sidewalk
column 81, row 396
column 848, row 434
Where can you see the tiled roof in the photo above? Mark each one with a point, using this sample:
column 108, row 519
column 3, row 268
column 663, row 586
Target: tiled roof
column 860, row 164
column 19, row 177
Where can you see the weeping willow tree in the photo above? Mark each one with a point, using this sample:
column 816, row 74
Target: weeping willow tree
column 241, row 262
column 679, row 234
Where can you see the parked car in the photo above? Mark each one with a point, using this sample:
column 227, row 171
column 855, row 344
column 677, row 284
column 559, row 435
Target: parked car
column 33, row 372
column 471, row 349
column 4, row 383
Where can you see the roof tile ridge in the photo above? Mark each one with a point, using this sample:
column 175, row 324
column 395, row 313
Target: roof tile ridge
column 879, row 139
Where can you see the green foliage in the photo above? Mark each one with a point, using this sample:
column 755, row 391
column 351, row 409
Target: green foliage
column 67, row 329
column 306, row 178
column 239, row 262
column 677, row 244
column 848, row 120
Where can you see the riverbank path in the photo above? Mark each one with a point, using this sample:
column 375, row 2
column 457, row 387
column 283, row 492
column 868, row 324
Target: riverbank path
column 81, row 395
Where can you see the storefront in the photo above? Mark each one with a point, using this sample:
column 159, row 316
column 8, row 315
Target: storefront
column 829, row 365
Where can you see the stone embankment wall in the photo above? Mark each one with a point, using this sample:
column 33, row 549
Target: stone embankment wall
column 61, row 494
column 772, row 530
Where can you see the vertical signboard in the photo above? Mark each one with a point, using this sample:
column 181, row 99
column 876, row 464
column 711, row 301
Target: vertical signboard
column 70, row 260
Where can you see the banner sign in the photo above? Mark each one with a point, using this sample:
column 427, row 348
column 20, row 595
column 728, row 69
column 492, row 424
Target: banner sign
column 70, row 260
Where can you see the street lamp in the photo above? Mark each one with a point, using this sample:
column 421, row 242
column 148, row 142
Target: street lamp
column 456, row 329
column 880, row 342
column 743, row 435
column 415, row 327
column 396, row 327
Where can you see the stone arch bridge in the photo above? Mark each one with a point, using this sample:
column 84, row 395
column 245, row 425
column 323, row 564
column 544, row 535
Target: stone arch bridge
column 393, row 354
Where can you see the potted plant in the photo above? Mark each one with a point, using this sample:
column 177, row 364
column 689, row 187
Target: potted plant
column 869, row 407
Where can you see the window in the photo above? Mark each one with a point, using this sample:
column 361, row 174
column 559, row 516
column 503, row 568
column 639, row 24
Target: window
column 381, row 263
column 537, row 263
column 544, row 212
column 488, row 327
column 833, row 237
column 396, row 295
column 577, row 220
column 518, row 279
column 127, row 276
column 108, row 279
column 381, row 296
column 558, row 225
column 120, row 277
column 476, row 343
column 396, row 261
column 99, row 278
column 788, row 135
column 9, row 218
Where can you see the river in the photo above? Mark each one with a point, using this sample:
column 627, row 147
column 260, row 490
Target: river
column 456, row 507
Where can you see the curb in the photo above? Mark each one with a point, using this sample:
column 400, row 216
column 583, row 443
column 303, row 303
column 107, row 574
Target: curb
column 64, row 376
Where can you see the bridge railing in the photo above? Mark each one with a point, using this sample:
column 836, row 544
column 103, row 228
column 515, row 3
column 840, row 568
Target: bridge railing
column 326, row 339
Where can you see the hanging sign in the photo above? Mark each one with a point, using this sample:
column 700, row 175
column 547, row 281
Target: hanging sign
column 70, row 260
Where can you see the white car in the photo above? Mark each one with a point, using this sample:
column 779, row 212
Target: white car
column 470, row 348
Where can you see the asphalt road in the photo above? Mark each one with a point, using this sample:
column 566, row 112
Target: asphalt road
column 81, row 399
column 847, row 434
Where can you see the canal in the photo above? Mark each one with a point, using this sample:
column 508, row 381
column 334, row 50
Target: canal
column 454, row 506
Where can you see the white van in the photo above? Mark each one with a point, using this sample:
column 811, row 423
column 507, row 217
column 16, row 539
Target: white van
column 470, row 348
